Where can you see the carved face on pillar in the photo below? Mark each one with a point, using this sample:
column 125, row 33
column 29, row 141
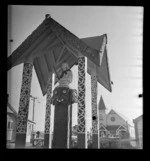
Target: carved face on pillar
column 61, row 95
column 64, row 95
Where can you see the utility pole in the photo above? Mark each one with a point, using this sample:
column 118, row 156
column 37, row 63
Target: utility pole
column 33, row 98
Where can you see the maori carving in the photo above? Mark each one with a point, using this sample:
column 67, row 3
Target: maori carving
column 28, row 41
column 103, row 48
column 64, row 95
column 71, row 39
column 94, row 103
column 62, row 99
column 81, row 95
column 48, row 106
column 24, row 98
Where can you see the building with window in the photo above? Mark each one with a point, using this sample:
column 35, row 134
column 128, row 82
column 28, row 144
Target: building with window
column 12, row 124
column 113, row 126
column 138, row 122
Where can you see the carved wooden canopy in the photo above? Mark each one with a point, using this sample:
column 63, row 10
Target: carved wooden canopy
column 49, row 45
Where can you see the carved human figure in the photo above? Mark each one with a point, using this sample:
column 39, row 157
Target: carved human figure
column 63, row 98
column 66, row 76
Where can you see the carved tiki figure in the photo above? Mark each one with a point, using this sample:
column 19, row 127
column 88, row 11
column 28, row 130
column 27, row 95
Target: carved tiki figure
column 63, row 98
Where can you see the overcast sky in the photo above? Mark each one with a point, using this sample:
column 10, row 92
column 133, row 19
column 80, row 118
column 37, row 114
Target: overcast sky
column 124, row 29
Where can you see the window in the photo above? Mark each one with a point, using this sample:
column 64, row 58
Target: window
column 10, row 125
column 112, row 119
column 100, row 117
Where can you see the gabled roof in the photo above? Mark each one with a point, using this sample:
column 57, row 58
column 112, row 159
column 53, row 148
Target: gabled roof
column 49, row 45
column 96, row 43
column 102, row 72
column 121, row 128
column 11, row 110
column 112, row 111
column 102, row 127
column 138, row 118
column 101, row 104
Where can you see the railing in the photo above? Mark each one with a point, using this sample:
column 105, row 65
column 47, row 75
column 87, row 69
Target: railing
column 38, row 142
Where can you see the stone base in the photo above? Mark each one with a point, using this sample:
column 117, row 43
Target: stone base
column 20, row 140
column 95, row 141
column 81, row 141
column 60, row 127
column 46, row 140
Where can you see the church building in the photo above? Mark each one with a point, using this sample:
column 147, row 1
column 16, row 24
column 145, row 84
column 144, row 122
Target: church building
column 111, row 125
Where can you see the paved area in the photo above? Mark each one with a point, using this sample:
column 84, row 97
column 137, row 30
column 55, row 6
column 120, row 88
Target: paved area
column 28, row 146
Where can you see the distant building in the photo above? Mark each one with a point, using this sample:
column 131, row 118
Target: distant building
column 113, row 126
column 12, row 124
column 74, row 134
column 138, row 122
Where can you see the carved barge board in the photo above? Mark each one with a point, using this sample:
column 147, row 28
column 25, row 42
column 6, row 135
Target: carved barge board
column 66, row 36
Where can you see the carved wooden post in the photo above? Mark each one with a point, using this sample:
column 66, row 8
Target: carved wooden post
column 94, row 109
column 48, row 113
column 81, row 103
column 63, row 98
column 24, row 105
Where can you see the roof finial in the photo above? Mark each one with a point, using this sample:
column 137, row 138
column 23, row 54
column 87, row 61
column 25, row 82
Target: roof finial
column 47, row 16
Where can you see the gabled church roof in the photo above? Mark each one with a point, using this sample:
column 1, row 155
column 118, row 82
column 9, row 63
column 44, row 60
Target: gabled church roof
column 101, row 104
column 112, row 111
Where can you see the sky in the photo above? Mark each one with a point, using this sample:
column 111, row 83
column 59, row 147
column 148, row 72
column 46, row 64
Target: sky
column 124, row 28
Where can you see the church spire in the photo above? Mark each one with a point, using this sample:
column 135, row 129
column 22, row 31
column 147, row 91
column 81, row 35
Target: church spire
column 101, row 104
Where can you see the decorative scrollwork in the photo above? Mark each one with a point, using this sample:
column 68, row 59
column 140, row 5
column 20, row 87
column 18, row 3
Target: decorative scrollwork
column 29, row 40
column 74, row 41
column 81, row 95
column 94, row 103
column 74, row 96
column 24, row 98
column 64, row 95
column 48, row 106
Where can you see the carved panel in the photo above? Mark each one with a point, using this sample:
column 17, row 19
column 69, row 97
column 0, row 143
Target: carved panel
column 48, row 106
column 70, row 39
column 81, row 95
column 24, row 98
column 94, row 104
column 29, row 41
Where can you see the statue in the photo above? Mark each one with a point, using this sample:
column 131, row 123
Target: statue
column 63, row 98
column 66, row 76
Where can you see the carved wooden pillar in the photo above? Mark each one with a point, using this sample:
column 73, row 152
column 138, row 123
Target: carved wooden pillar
column 24, row 105
column 81, row 103
column 48, row 113
column 62, row 100
column 94, row 109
